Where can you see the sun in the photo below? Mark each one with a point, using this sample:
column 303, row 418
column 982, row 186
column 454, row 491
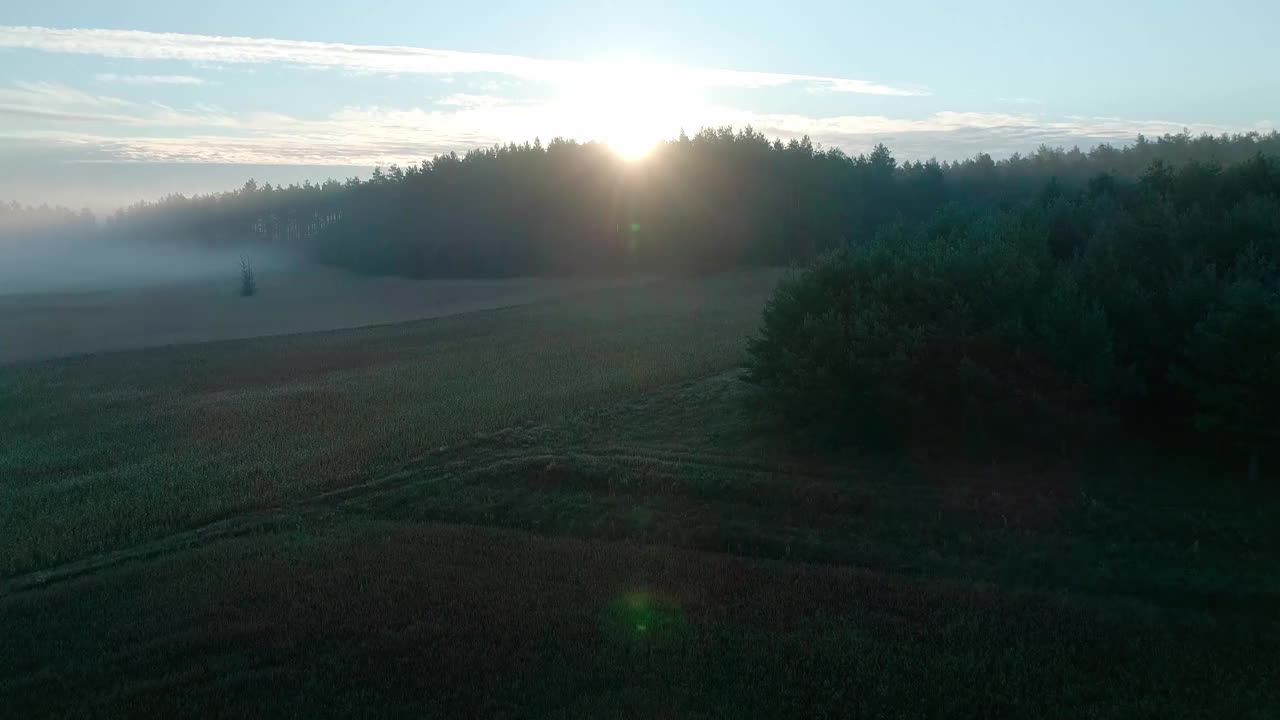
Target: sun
column 631, row 140
column 631, row 144
column 630, row 106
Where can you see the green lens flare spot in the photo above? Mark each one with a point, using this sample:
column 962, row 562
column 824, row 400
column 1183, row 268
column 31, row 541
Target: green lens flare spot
column 643, row 619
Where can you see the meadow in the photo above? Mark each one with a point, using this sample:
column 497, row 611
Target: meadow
column 165, row 308
column 99, row 451
column 570, row 508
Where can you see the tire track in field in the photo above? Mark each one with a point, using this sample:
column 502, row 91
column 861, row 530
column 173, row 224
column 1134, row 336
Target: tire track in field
column 239, row 524
column 443, row 465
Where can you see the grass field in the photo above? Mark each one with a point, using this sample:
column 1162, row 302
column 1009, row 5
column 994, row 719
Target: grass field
column 102, row 451
column 566, row 509
column 292, row 298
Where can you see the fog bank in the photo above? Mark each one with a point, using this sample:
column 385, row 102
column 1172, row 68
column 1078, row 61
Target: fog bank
column 42, row 265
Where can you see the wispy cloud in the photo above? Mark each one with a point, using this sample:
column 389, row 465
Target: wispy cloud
column 45, row 94
column 51, row 115
column 59, row 103
column 75, row 160
column 466, row 100
column 368, row 135
column 56, row 103
column 588, row 101
column 149, row 79
column 376, row 135
column 388, row 59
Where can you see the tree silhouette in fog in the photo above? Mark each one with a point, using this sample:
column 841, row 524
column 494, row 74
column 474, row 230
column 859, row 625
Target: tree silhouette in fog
column 37, row 223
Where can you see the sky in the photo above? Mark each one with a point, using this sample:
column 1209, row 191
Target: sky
column 103, row 104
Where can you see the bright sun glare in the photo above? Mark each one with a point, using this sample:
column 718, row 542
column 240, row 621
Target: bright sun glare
column 631, row 106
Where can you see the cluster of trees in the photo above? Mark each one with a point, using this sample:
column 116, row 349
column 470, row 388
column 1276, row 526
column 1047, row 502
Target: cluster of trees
column 292, row 216
column 721, row 198
column 1154, row 304
column 43, row 222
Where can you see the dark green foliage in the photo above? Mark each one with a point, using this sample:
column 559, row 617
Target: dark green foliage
column 1155, row 303
column 1232, row 367
column 958, row 328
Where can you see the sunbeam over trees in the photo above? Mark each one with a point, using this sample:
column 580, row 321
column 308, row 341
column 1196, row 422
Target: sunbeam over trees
column 718, row 199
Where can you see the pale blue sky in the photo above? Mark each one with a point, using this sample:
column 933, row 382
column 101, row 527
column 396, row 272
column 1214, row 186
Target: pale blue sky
column 91, row 115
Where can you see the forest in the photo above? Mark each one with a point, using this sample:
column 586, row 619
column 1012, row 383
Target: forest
column 1147, row 308
column 718, row 199
column 37, row 223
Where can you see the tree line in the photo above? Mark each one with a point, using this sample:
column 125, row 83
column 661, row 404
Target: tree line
column 41, row 222
column 720, row 198
column 1151, row 306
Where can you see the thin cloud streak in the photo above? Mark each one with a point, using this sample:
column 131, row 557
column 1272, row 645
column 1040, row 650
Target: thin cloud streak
column 21, row 111
column 381, row 136
column 149, row 79
column 467, row 100
column 387, row 59
column 55, row 102
column 46, row 94
column 152, row 132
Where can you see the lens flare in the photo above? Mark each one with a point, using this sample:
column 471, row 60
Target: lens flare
column 642, row 619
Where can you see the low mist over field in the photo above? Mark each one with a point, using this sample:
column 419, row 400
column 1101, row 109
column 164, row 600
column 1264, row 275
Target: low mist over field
column 35, row 264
